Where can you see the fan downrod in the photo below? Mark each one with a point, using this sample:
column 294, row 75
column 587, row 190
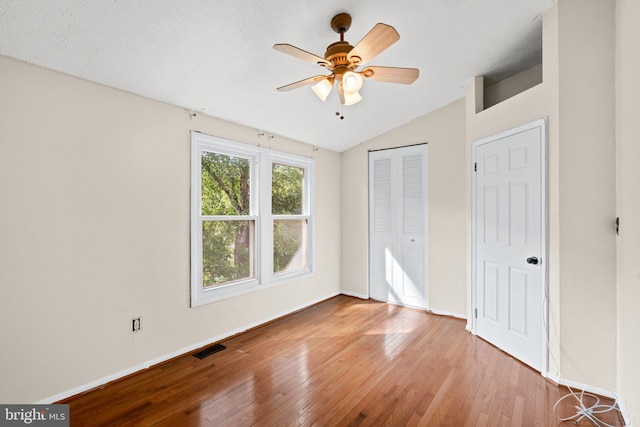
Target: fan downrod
column 341, row 23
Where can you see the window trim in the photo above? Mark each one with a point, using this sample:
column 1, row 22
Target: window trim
column 260, row 210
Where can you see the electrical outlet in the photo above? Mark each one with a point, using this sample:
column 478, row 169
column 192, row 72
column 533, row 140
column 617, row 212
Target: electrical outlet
column 136, row 324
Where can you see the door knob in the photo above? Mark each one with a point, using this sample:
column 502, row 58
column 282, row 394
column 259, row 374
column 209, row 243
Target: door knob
column 532, row 260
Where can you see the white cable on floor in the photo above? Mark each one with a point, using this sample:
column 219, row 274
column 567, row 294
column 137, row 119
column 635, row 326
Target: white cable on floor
column 582, row 409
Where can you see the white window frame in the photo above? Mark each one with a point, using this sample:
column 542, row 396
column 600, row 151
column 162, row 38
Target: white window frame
column 298, row 162
column 260, row 211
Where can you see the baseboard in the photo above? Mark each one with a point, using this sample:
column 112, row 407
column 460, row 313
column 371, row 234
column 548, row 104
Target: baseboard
column 354, row 294
column 146, row 365
column 580, row 386
column 448, row 314
column 438, row 312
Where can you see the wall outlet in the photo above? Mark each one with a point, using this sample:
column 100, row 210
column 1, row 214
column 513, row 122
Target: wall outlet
column 136, row 324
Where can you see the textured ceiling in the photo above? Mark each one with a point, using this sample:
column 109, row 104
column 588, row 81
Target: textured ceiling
column 216, row 56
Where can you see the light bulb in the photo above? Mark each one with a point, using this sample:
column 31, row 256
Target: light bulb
column 351, row 82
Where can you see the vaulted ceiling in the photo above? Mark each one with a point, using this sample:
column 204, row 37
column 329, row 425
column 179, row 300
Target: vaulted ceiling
column 216, row 56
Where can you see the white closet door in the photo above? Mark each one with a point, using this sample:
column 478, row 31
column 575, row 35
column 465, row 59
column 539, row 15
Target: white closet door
column 381, row 226
column 398, row 226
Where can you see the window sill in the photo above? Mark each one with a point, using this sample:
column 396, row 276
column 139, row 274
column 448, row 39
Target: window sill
column 239, row 289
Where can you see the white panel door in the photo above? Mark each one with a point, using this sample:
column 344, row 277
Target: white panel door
column 398, row 226
column 509, row 242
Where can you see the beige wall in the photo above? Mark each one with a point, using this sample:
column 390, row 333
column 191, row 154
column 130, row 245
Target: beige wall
column 628, row 192
column 538, row 102
column 581, row 195
column 578, row 51
column 504, row 89
column 577, row 98
column 94, row 190
column 587, row 191
column 445, row 134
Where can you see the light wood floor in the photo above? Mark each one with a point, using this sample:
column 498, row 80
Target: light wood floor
column 343, row 362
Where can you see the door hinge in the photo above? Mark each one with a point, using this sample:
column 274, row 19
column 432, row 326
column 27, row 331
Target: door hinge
column 475, row 167
column 617, row 226
column 475, row 313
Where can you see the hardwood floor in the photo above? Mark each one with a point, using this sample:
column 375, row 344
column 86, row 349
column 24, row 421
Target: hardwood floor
column 342, row 362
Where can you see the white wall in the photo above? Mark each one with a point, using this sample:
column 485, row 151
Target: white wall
column 443, row 130
column 94, row 193
column 628, row 202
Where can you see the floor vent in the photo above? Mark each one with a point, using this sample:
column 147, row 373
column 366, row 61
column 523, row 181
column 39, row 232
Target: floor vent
column 209, row 351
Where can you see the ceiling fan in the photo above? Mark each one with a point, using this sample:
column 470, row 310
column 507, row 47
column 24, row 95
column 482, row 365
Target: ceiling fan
column 342, row 60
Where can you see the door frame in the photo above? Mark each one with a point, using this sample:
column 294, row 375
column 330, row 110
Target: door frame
column 544, row 339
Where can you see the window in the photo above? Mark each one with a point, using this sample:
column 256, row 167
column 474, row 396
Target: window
column 228, row 228
column 289, row 222
column 251, row 218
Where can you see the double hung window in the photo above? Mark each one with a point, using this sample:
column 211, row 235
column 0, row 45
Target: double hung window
column 250, row 218
column 290, row 221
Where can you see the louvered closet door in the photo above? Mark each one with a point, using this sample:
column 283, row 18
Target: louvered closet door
column 398, row 226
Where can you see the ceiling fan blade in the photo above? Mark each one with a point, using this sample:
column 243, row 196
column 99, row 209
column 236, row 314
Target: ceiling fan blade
column 300, row 54
column 305, row 82
column 404, row 76
column 377, row 40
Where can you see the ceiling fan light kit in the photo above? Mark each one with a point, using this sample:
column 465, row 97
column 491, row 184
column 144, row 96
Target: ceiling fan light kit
column 323, row 88
column 352, row 82
column 343, row 59
column 351, row 98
